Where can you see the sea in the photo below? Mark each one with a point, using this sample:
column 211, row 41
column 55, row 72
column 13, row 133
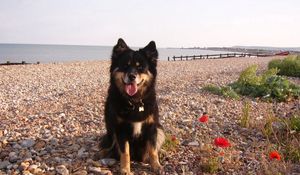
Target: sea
column 33, row 53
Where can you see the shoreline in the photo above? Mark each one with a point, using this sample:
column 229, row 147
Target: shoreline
column 8, row 63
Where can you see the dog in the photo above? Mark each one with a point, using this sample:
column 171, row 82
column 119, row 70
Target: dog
column 133, row 130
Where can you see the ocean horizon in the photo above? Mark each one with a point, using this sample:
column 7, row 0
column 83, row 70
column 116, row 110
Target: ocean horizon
column 50, row 53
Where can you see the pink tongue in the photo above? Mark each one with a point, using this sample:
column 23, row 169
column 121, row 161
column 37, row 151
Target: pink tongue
column 131, row 89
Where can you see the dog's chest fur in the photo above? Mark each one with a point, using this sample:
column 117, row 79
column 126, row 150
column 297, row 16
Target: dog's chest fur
column 133, row 128
column 136, row 128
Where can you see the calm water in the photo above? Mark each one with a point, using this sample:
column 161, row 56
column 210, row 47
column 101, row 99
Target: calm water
column 32, row 53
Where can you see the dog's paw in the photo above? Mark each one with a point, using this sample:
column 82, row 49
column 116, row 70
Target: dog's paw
column 157, row 168
column 126, row 171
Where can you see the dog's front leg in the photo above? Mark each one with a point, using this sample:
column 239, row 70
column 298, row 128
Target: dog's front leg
column 124, row 157
column 153, row 147
column 154, row 159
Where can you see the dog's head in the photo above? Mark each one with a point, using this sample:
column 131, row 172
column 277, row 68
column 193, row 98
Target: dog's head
column 133, row 72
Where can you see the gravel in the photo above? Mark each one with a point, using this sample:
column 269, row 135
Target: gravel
column 52, row 116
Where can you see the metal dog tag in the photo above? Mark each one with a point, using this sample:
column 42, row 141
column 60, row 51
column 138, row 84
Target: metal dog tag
column 141, row 108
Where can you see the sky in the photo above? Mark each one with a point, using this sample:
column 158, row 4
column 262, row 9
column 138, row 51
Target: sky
column 170, row 23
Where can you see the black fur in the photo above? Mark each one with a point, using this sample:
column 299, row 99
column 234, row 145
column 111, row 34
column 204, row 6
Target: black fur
column 121, row 110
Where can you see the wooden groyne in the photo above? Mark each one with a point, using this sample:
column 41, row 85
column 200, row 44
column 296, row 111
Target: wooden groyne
column 8, row 63
column 215, row 56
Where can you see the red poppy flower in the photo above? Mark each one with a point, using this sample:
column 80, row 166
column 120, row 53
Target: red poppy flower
column 173, row 138
column 274, row 155
column 222, row 142
column 203, row 118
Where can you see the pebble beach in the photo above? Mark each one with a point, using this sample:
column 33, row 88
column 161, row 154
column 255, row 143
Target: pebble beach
column 51, row 117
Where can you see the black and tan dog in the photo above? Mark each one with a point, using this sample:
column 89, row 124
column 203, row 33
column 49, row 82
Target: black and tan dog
column 131, row 111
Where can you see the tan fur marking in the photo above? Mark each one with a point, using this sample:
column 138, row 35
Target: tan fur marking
column 160, row 138
column 152, row 152
column 150, row 119
column 153, row 158
column 137, row 63
column 118, row 77
column 147, row 78
column 125, row 159
column 137, row 128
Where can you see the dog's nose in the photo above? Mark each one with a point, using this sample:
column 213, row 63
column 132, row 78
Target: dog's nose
column 131, row 77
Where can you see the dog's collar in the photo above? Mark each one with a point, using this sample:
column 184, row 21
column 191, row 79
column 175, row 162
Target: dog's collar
column 140, row 105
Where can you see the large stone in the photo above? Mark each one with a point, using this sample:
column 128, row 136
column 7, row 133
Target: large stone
column 106, row 172
column 108, row 162
column 80, row 172
column 40, row 145
column 32, row 168
column 4, row 164
column 95, row 170
column 17, row 146
column 62, row 170
column 194, row 143
column 81, row 152
column 27, row 143
column 24, row 166
column 13, row 157
column 26, row 173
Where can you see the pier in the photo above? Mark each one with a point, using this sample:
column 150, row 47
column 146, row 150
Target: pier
column 8, row 63
column 215, row 56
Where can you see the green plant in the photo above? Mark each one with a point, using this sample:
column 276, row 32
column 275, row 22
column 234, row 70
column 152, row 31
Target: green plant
column 250, row 84
column 225, row 91
column 211, row 166
column 290, row 66
column 284, row 133
column 268, row 85
column 170, row 144
column 245, row 119
column 249, row 76
column 294, row 123
column 291, row 144
column 280, row 88
column 274, row 64
column 292, row 153
column 213, row 89
column 267, row 129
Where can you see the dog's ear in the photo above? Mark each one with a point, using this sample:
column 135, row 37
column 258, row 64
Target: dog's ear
column 151, row 52
column 119, row 48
